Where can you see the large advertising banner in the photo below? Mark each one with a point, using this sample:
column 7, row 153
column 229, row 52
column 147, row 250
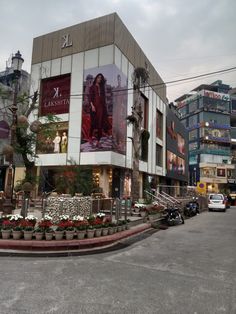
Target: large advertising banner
column 104, row 110
column 55, row 95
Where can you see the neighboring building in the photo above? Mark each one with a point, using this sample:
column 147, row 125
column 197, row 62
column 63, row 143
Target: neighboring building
column 232, row 181
column 64, row 65
column 206, row 114
column 6, row 100
column 176, row 153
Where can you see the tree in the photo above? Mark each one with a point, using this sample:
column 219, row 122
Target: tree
column 140, row 78
column 24, row 135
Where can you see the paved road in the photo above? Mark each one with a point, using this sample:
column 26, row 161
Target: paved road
column 186, row 269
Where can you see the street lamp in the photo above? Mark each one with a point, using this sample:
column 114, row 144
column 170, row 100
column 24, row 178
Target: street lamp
column 16, row 65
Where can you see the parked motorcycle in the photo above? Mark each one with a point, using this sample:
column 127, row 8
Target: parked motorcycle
column 191, row 208
column 172, row 216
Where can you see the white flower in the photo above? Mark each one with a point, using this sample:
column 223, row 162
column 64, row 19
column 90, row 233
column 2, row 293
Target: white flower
column 46, row 217
column 31, row 217
column 64, row 217
column 101, row 215
column 78, row 218
column 15, row 217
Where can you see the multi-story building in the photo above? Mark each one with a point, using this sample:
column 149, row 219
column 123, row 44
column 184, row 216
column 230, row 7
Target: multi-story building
column 206, row 114
column 66, row 65
column 176, row 153
column 7, row 87
column 232, row 181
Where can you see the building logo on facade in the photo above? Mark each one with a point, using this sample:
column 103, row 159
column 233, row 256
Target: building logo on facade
column 66, row 41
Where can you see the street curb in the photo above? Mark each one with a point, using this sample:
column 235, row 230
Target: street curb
column 74, row 247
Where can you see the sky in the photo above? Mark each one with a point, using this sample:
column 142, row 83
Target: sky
column 181, row 38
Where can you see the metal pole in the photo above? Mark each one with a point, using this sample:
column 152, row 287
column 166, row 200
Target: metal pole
column 126, row 208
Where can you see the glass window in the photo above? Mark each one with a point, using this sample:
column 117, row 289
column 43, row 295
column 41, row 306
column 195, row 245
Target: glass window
column 158, row 155
column 159, row 124
column 193, row 146
column 193, row 120
column 193, row 106
column 220, row 172
column 193, row 135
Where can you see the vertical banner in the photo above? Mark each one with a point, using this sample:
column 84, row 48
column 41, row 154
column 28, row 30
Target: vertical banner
column 104, row 114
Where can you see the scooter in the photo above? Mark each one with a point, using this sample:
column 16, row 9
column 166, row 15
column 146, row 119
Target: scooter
column 192, row 208
column 172, row 216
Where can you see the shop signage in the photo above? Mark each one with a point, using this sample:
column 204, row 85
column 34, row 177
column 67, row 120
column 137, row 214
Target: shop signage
column 215, row 95
column 66, row 41
column 55, row 97
column 231, row 181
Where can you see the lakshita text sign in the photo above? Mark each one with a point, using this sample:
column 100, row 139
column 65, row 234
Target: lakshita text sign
column 55, row 97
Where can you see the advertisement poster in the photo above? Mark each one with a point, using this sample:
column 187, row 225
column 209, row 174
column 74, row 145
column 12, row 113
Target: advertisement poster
column 104, row 113
column 55, row 95
column 53, row 138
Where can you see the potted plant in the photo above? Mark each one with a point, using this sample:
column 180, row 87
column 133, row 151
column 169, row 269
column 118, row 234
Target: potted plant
column 32, row 219
column 38, row 233
column 119, row 225
column 105, row 227
column 6, row 228
column 28, row 230
column 17, row 232
column 48, row 233
column 69, row 230
column 90, row 231
column 80, row 224
column 98, row 230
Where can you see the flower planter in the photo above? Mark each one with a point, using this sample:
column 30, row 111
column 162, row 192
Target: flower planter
column 119, row 228
column 98, row 232
column 110, row 230
column 16, row 234
column 6, row 234
column 48, row 236
column 127, row 226
column 81, row 234
column 38, row 236
column 90, row 233
column 104, row 231
column 143, row 214
column 70, row 234
column 115, row 229
column 28, row 235
column 59, row 235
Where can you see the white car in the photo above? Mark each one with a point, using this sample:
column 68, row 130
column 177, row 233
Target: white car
column 216, row 202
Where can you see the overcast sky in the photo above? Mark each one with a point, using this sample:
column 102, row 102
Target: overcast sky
column 181, row 38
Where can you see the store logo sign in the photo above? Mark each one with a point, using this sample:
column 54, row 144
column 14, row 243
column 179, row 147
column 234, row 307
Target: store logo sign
column 66, row 41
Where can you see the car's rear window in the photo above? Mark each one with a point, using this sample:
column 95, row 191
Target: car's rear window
column 216, row 197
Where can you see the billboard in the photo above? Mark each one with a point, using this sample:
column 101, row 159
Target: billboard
column 104, row 110
column 55, row 95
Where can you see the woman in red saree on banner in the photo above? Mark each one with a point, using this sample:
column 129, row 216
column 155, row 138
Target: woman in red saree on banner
column 98, row 109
